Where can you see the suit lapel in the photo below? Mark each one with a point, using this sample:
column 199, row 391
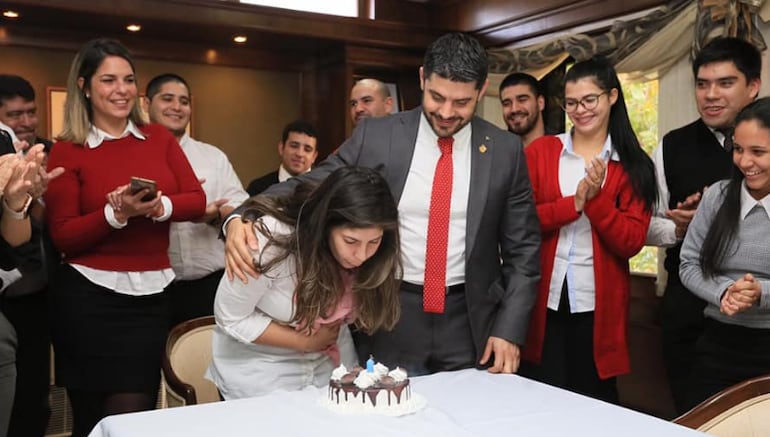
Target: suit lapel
column 481, row 170
column 402, row 142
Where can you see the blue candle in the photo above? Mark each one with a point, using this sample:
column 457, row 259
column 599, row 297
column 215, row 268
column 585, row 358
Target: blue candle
column 370, row 365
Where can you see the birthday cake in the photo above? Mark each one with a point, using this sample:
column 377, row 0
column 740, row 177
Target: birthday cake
column 375, row 389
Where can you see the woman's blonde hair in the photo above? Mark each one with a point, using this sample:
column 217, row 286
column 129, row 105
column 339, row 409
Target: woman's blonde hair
column 78, row 112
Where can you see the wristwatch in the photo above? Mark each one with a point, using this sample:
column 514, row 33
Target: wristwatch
column 18, row 215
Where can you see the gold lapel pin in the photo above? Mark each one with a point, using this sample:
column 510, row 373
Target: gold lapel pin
column 483, row 148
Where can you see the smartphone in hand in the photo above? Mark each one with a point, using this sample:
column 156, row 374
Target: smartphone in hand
column 139, row 184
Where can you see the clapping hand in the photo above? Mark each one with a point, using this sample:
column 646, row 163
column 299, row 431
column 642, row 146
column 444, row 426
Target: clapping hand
column 683, row 214
column 36, row 155
column 741, row 295
column 591, row 184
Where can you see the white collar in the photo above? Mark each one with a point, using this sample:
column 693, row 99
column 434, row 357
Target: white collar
column 97, row 136
column 284, row 175
column 608, row 152
column 10, row 132
column 184, row 140
column 748, row 203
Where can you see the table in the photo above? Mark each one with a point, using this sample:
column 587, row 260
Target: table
column 463, row 403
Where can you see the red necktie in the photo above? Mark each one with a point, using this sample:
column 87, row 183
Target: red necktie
column 434, row 288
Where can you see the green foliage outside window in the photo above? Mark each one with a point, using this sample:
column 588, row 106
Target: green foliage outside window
column 642, row 103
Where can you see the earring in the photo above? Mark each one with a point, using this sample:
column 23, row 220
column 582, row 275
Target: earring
column 88, row 96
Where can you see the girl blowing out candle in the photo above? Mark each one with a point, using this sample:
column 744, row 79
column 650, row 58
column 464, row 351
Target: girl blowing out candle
column 328, row 256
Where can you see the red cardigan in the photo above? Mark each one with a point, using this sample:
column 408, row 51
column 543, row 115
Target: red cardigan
column 618, row 227
column 75, row 200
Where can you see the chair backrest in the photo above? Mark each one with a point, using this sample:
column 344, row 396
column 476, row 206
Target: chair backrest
column 187, row 356
column 742, row 410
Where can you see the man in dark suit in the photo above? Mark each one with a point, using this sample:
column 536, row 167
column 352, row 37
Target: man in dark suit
column 298, row 151
column 18, row 109
column 489, row 266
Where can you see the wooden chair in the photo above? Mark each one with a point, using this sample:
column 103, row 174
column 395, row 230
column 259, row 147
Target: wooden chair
column 742, row 410
column 187, row 356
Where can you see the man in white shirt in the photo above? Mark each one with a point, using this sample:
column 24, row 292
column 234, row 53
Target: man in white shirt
column 298, row 150
column 195, row 251
column 369, row 98
column 523, row 102
column 468, row 288
column 727, row 78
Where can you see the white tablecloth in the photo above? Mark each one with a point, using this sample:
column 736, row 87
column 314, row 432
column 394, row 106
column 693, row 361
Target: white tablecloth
column 463, row 403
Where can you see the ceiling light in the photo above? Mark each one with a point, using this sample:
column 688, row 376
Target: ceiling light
column 240, row 39
column 133, row 28
column 11, row 14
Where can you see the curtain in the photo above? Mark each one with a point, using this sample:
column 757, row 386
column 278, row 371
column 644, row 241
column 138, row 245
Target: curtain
column 644, row 48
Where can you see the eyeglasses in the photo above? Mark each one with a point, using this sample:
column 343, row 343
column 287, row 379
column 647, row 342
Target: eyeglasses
column 588, row 102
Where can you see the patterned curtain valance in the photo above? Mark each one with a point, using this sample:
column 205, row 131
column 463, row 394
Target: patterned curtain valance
column 735, row 18
column 636, row 46
column 623, row 38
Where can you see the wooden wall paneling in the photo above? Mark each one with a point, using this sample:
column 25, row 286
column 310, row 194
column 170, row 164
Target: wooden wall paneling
column 141, row 47
column 217, row 20
column 502, row 22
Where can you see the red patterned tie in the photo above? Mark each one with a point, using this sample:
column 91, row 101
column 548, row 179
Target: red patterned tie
column 434, row 289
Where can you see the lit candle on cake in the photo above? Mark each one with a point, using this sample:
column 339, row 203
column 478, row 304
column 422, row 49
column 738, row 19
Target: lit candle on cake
column 370, row 365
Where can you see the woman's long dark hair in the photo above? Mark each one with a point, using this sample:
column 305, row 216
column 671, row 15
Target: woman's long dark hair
column 722, row 231
column 353, row 197
column 635, row 161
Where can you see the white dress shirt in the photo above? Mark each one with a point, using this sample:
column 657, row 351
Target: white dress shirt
column 195, row 249
column 574, row 258
column 240, row 368
column 414, row 206
column 662, row 230
column 131, row 283
column 284, row 175
column 11, row 133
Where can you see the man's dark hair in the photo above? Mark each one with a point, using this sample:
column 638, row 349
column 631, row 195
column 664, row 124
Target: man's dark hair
column 457, row 57
column 743, row 54
column 300, row 127
column 12, row 86
column 157, row 82
column 518, row 78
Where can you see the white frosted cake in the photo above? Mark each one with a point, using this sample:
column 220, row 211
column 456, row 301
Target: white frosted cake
column 375, row 389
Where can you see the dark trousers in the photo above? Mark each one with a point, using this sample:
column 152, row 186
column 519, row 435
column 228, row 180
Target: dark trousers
column 568, row 355
column 682, row 325
column 29, row 316
column 726, row 355
column 7, row 372
column 191, row 299
column 424, row 343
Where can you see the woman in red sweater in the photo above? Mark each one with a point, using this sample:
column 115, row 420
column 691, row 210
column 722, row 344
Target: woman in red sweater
column 594, row 188
column 108, row 310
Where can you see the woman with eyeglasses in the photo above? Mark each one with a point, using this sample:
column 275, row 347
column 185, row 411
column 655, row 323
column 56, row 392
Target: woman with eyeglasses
column 594, row 188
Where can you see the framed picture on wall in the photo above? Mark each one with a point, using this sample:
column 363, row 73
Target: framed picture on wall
column 55, row 113
column 393, row 88
column 56, row 97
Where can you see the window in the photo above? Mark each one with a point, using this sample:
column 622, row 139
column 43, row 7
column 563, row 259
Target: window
column 642, row 103
column 343, row 8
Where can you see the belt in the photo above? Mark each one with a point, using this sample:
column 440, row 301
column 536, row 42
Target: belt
column 417, row 288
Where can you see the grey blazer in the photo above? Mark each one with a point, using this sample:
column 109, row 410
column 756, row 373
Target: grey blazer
column 502, row 240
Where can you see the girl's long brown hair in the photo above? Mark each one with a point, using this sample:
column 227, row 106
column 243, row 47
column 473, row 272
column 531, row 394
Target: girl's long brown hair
column 353, row 197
